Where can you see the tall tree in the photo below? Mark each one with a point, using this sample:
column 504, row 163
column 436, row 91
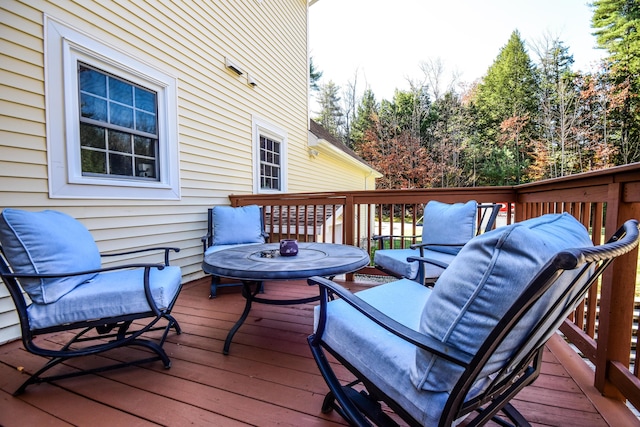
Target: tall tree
column 314, row 76
column 558, row 113
column 330, row 116
column 508, row 92
column 365, row 118
column 617, row 29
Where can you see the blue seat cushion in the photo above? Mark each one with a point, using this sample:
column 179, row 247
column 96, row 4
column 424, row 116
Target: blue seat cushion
column 108, row 294
column 449, row 224
column 378, row 354
column 237, row 225
column 47, row 242
column 395, row 260
column 480, row 284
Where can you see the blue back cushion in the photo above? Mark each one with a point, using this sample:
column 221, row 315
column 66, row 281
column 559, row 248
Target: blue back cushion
column 47, row 242
column 481, row 283
column 233, row 226
column 450, row 224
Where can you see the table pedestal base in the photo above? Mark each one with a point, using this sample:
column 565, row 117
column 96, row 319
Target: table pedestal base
column 250, row 296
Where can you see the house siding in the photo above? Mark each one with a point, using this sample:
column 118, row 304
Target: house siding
column 187, row 40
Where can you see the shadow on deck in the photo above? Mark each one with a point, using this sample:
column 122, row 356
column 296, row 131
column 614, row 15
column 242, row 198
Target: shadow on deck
column 268, row 378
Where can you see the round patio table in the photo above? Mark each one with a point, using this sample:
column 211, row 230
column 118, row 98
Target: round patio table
column 253, row 264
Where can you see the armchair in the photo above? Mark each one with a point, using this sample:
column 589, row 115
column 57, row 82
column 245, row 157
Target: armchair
column 228, row 227
column 53, row 259
column 462, row 349
column 446, row 228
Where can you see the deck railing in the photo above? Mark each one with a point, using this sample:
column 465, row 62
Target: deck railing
column 601, row 329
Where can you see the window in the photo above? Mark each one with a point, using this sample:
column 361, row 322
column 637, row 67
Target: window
column 118, row 126
column 111, row 121
column 270, row 162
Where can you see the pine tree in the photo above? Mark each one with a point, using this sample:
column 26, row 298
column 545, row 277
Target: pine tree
column 508, row 92
column 330, row 116
column 617, row 24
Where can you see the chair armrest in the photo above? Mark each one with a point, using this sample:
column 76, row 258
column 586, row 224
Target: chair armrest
column 160, row 248
column 329, row 288
column 80, row 273
column 390, row 237
column 428, row 261
column 205, row 241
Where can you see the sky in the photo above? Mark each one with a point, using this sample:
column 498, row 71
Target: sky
column 385, row 41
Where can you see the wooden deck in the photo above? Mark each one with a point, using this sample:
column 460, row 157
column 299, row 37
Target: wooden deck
column 269, row 377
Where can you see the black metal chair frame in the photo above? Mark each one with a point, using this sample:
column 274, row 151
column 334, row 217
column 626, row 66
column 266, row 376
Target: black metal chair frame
column 207, row 241
column 488, row 211
column 84, row 343
column 361, row 408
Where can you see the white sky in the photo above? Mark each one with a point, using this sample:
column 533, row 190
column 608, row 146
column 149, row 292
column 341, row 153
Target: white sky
column 386, row 40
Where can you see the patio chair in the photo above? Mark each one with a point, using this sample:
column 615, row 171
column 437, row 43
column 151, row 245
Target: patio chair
column 465, row 347
column 51, row 266
column 228, row 227
column 446, row 228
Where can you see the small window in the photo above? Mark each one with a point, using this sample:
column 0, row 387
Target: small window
column 118, row 126
column 270, row 162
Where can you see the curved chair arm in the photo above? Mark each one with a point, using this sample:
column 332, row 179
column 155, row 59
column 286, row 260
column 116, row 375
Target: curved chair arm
column 428, row 261
column 420, row 277
column 390, row 237
column 423, row 246
column 80, row 273
column 329, row 288
column 159, row 248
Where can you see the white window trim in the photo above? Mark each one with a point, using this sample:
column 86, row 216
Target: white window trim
column 263, row 127
column 64, row 46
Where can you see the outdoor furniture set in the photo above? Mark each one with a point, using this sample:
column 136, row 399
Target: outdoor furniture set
column 434, row 355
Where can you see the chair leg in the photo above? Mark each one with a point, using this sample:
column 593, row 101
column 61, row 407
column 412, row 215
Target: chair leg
column 215, row 281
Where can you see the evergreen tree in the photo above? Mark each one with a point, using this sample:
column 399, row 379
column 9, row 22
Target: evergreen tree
column 506, row 96
column 617, row 24
column 314, row 76
column 365, row 118
column 330, row 116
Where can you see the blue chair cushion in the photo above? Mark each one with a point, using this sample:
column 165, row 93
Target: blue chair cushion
column 212, row 249
column 109, row 294
column 237, row 225
column 479, row 285
column 47, row 242
column 449, row 224
column 377, row 353
column 395, row 260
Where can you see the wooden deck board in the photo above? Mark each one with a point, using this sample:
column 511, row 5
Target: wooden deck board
column 268, row 378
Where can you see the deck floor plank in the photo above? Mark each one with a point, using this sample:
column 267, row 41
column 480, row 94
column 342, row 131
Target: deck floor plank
column 268, row 378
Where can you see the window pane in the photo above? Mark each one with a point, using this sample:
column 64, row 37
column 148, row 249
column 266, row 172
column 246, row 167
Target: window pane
column 145, row 100
column 146, row 122
column 116, row 104
column 92, row 81
column 119, row 141
column 146, row 168
column 120, row 115
column 92, row 136
column 120, row 165
column 93, row 108
column 144, row 146
column 120, row 91
column 93, row 161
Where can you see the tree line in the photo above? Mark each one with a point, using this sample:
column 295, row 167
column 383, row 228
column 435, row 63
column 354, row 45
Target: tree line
column 525, row 120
